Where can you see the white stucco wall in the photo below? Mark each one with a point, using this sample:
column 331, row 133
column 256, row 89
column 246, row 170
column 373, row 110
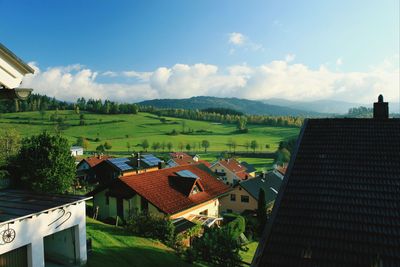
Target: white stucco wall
column 10, row 76
column 31, row 232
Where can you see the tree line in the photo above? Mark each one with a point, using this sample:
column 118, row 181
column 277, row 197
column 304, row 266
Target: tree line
column 37, row 102
column 283, row 121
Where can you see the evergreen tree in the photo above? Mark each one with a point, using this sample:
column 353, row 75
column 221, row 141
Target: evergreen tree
column 261, row 210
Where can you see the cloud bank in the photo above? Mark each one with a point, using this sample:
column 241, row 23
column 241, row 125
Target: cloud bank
column 279, row 78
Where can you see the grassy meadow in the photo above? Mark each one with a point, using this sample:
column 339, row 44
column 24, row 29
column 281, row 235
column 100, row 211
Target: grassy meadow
column 112, row 246
column 121, row 129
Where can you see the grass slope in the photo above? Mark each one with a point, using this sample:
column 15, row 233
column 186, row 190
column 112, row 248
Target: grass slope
column 121, row 129
column 112, row 246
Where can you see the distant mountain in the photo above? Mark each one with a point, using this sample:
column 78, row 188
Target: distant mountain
column 321, row 106
column 243, row 105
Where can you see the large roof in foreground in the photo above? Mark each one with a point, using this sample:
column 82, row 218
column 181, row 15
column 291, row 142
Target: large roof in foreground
column 339, row 204
column 15, row 204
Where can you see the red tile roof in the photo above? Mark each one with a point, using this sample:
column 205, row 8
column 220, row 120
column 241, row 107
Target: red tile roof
column 94, row 160
column 158, row 188
column 181, row 158
column 233, row 165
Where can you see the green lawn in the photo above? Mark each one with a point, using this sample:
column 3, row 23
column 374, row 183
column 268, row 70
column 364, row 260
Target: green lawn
column 247, row 256
column 112, row 246
column 122, row 128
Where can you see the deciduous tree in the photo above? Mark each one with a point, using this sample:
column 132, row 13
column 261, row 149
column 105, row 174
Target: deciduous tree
column 44, row 164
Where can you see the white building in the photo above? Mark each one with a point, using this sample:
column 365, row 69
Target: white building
column 39, row 230
column 12, row 71
column 76, row 151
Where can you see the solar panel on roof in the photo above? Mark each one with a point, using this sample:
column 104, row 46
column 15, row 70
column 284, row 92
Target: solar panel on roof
column 150, row 160
column 121, row 163
column 187, row 174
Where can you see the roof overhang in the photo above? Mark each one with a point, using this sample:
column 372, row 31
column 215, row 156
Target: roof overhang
column 17, row 93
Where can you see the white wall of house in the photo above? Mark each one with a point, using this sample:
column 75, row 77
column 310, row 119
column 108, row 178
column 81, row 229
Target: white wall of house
column 31, row 232
column 10, row 75
column 76, row 151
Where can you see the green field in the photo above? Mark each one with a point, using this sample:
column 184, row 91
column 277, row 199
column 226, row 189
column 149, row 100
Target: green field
column 133, row 129
column 112, row 246
column 120, row 129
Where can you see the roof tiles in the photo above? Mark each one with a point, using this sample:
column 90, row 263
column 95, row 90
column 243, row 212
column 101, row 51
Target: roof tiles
column 339, row 204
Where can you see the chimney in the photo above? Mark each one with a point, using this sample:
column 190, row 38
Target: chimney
column 381, row 109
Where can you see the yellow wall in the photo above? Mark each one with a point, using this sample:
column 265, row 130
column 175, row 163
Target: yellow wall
column 211, row 206
column 238, row 206
column 229, row 175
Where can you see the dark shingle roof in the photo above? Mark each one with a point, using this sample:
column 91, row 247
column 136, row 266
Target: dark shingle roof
column 249, row 168
column 270, row 183
column 339, row 204
column 17, row 204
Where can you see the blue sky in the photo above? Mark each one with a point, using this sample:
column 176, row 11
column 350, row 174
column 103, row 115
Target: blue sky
column 104, row 39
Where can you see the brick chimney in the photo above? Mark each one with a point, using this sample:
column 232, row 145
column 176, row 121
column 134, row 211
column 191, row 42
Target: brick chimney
column 381, row 109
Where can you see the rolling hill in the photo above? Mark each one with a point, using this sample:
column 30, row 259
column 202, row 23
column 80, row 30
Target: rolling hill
column 326, row 106
column 246, row 106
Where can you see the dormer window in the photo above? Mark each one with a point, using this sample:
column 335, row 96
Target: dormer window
column 195, row 190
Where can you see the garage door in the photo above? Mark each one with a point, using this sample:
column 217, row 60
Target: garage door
column 14, row 258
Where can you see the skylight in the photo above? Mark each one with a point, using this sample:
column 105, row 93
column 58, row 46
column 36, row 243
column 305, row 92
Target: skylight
column 187, row 174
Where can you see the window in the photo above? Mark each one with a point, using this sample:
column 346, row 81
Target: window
column 233, row 197
column 196, row 190
column 144, row 204
column 244, row 198
column 204, row 212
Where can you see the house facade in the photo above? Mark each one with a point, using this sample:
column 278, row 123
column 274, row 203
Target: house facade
column 178, row 192
column 76, row 151
column 49, row 229
column 244, row 196
column 230, row 171
column 85, row 168
column 182, row 158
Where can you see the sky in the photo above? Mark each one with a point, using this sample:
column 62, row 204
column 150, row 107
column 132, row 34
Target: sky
column 130, row 51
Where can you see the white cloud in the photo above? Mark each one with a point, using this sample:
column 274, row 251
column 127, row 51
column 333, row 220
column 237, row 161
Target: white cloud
column 290, row 57
column 279, row 78
column 339, row 61
column 236, row 38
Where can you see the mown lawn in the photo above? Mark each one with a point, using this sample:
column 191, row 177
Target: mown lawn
column 247, row 256
column 112, row 246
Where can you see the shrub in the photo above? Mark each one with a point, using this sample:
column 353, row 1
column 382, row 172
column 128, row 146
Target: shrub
column 148, row 225
column 216, row 246
column 236, row 226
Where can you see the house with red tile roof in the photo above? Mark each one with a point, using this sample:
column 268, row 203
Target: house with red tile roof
column 179, row 192
column 231, row 171
column 85, row 167
column 182, row 158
